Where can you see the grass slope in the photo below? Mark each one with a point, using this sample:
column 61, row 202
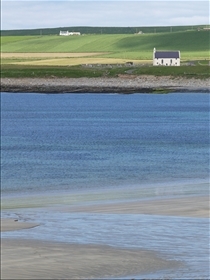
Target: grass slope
column 194, row 44
column 118, row 48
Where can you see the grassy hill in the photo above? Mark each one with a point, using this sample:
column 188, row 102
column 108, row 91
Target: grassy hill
column 60, row 56
column 192, row 44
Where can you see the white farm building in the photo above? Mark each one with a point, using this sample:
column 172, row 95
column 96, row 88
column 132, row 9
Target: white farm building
column 166, row 58
column 67, row 33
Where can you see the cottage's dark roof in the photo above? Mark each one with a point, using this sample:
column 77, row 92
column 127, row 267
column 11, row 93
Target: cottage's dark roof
column 167, row 54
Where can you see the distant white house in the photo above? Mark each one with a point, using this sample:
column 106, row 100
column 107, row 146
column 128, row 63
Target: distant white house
column 166, row 58
column 140, row 32
column 67, row 33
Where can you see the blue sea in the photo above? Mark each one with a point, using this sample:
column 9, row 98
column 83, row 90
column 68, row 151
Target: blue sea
column 94, row 148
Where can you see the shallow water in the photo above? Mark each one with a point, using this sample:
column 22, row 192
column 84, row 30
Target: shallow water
column 82, row 149
column 176, row 238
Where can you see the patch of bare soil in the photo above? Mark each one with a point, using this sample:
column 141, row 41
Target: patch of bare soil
column 46, row 55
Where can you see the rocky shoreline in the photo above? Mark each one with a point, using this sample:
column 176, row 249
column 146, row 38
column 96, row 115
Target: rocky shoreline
column 121, row 84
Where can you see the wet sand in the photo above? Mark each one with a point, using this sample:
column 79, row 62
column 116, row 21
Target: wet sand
column 29, row 259
column 14, row 224
column 197, row 207
column 34, row 259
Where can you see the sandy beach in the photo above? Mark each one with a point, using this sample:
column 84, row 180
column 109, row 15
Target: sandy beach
column 14, row 224
column 27, row 259
column 34, row 259
column 197, row 207
column 121, row 84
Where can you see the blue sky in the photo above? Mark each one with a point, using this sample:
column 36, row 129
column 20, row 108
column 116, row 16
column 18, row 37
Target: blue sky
column 28, row 14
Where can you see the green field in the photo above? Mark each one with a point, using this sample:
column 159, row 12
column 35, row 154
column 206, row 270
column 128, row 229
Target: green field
column 192, row 44
column 106, row 49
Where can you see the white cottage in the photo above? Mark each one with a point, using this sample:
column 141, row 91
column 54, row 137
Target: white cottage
column 67, row 33
column 166, row 58
column 64, row 33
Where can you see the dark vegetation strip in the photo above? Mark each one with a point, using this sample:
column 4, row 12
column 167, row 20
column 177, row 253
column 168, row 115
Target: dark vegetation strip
column 23, row 71
column 101, row 30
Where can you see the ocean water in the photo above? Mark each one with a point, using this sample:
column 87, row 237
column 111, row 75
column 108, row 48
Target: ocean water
column 71, row 149
column 69, row 142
